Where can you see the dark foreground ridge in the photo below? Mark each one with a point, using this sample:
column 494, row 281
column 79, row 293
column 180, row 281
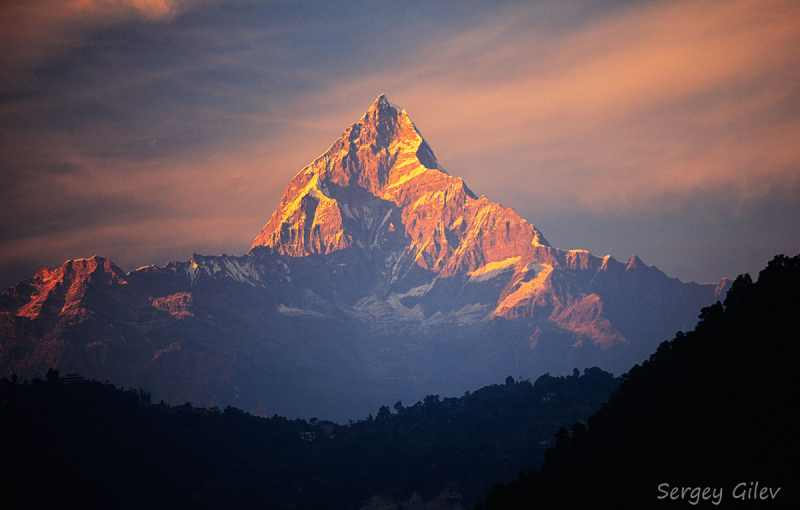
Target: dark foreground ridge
column 73, row 443
column 710, row 421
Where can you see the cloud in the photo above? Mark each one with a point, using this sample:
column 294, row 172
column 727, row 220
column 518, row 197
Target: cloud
column 155, row 9
column 618, row 110
column 33, row 31
column 186, row 121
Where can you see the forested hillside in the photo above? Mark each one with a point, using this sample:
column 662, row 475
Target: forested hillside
column 715, row 408
column 70, row 443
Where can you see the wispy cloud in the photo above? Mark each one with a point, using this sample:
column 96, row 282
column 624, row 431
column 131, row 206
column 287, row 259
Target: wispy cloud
column 185, row 122
column 150, row 8
column 652, row 100
column 33, row 31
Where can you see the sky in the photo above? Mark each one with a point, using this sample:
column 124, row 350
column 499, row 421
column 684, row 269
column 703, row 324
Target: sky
column 147, row 130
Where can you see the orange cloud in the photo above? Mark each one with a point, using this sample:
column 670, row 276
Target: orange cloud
column 149, row 8
column 615, row 111
column 551, row 106
column 34, row 30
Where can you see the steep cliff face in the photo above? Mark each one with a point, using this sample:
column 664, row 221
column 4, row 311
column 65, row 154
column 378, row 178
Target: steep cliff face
column 379, row 277
column 379, row 187
column 63, row 292
column 380, row 190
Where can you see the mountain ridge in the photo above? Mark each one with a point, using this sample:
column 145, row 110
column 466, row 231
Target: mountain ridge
column 375, row 267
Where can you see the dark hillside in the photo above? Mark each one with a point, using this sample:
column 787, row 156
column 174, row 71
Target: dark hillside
column 714, row 408
column 70, row 443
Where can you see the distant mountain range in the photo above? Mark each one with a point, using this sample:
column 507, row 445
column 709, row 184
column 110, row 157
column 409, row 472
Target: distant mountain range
column 379, row 277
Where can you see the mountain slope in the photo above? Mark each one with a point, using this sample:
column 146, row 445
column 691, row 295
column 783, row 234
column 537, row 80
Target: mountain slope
column 424, row 239
column 378, row 275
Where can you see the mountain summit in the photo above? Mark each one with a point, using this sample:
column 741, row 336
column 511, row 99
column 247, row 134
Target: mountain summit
column 429, row 246
column 378, row 277
column 380, row 187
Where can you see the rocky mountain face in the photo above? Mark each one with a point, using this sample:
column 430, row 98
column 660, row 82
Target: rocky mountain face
column 379, row 277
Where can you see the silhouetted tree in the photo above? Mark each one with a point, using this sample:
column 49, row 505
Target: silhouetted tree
column 711, row 407
column 52, row 376
column 431, row 400
column 384, row 413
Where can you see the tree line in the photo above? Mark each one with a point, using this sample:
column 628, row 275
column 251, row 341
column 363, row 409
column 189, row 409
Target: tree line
column 711, row 416
column 70, row 442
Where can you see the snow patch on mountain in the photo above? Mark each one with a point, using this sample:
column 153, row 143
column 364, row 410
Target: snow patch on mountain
column 526, row 291
column 493, row 269
column 299, row 312
column 420, row 170
column 417, row 291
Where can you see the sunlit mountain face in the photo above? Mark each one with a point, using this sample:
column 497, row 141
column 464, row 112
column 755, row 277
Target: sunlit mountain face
column 379, row 277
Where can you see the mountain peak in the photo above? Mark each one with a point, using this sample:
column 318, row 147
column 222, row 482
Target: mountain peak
column 61, row 291
column 382, row 103
column 380, row 187
column 383, row 153
column 635, row 263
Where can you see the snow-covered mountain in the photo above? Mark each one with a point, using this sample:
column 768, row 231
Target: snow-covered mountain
column 379, row 277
